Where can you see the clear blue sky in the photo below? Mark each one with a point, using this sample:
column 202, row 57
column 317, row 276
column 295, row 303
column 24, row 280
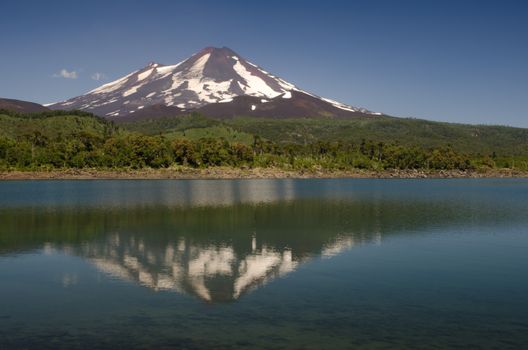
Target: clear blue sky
column 463, row 61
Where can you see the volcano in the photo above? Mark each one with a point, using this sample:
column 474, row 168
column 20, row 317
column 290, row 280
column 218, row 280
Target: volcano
column 216, row 82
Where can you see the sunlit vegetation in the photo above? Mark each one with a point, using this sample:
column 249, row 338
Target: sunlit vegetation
column 58, row 140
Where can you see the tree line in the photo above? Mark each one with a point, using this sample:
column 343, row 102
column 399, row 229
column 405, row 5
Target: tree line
column 131, row 150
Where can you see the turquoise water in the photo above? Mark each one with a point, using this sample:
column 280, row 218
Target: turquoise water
column 264, row 264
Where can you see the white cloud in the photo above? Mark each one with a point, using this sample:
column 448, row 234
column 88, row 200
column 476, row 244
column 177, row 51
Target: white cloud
column 98, row 76
column 64, row 73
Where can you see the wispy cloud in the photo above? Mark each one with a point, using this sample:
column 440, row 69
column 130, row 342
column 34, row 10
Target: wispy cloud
column 66, row 74
column 98, row 76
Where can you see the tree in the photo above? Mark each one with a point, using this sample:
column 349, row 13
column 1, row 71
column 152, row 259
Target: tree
column 184, row 152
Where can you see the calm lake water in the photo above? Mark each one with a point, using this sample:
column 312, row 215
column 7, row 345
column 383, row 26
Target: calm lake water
column 264, row 264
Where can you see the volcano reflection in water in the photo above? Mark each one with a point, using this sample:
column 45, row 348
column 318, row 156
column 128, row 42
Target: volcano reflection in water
column 220, row 239
column 213, row 272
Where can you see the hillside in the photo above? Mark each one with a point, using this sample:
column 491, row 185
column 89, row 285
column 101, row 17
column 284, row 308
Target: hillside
column 472, row 139
column 19, row 106
column 53, row 125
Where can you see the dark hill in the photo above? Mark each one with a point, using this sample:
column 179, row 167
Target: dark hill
column 19, row 106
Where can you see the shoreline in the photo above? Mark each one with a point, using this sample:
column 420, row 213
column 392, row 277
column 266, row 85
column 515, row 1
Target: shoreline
column 250, row 173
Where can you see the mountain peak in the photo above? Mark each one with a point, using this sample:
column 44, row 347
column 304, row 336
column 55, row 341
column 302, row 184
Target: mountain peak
column 217, row 50
column 212, row 75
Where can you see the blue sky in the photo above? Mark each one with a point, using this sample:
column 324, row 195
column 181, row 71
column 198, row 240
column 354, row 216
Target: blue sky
column 458, row 61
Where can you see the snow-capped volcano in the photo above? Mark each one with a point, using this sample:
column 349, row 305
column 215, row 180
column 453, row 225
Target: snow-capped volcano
column 211, row 76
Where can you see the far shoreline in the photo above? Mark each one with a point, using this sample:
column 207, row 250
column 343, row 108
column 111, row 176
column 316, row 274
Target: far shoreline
column 185, row 173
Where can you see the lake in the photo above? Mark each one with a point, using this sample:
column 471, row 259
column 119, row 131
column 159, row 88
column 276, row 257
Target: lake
column 264, row 264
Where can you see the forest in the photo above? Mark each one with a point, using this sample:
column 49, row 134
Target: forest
column 59, row 140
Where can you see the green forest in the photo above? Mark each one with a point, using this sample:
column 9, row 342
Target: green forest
column 61, row 140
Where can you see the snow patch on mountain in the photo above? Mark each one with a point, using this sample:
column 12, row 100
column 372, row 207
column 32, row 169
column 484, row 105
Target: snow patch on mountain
column 112, row 86
column 253, row 85
column 145, row 74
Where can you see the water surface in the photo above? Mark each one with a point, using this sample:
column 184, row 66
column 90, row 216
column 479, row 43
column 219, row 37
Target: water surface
column 275, row 264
